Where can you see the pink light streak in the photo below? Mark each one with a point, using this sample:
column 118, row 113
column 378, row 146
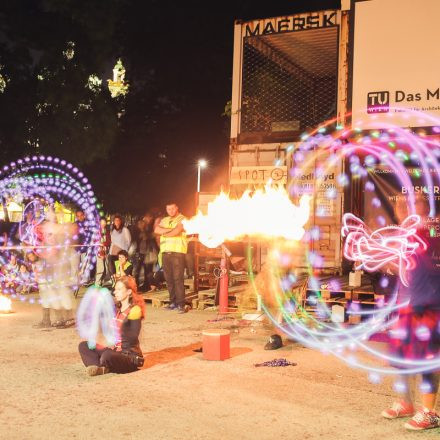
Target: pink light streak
column 391, row 246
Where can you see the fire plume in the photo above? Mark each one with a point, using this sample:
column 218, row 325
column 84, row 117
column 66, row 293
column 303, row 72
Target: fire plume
column 267, row 214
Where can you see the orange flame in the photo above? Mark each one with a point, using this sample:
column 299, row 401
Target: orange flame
column 265, row 213
column 5, row 304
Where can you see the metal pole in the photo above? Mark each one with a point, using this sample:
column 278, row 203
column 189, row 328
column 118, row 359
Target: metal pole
column 198, row 178
column 224, row 281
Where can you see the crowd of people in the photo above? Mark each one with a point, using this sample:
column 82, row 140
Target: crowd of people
column 54, row 259
column 143, row 250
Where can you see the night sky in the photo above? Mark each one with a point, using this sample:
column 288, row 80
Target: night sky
column 178, row 59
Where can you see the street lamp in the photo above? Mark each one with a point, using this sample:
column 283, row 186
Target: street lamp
column 200, row 164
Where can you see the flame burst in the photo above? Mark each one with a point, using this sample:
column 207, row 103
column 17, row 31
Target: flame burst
column 267, row 214
column 5, row 304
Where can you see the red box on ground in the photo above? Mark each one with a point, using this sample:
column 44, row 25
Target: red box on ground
column 216, row 344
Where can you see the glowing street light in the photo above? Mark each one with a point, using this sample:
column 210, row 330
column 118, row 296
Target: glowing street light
column 202, row 163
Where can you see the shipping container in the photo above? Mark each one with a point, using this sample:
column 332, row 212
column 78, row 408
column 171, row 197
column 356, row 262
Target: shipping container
column 293, row 73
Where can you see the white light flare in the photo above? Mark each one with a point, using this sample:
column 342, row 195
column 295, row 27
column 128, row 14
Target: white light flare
column 5, row 304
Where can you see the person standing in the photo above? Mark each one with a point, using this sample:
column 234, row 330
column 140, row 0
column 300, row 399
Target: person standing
column 101, row 257
column 147, row 250
column 173, row 247
column 120, row 241
column 79, row 254
column 140, row 238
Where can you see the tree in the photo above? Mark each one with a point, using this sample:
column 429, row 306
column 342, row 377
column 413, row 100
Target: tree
column 53, row 56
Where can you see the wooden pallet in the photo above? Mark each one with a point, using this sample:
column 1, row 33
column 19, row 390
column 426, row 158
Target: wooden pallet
column 238, row 278
column 189, row 284
column 341, row 293
column 161, row 298
column 149, row 296
column 206, row 298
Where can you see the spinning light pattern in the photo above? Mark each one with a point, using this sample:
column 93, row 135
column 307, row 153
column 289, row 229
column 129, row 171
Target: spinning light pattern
column 391, row 247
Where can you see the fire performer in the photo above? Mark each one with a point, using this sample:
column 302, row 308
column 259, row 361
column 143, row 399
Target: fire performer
column 53, row 281
column 126, row 356
column 416, row 334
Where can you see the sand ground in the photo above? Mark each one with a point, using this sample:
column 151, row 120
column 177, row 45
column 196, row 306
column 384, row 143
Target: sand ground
column 45, row 394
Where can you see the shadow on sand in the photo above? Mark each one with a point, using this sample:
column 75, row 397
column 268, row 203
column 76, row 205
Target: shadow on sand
column 172, row 354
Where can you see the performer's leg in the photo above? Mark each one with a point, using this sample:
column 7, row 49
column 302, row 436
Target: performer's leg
column 90, row 356
column 428, row 399
column 117, row 362
column 100, row 268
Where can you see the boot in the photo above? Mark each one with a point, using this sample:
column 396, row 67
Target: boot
column 45, row 322
column 94, row 370
column 59, row 318
column 69, row 319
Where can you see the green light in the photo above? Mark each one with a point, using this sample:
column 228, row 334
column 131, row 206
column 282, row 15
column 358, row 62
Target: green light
column 432, row 232
column 391, row 144
column 375, row 134
column 417, row 172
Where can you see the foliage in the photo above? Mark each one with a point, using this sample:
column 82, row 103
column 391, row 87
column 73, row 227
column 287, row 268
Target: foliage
column 49, row 49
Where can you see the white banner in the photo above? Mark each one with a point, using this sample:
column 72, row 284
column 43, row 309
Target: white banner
column 396, row 62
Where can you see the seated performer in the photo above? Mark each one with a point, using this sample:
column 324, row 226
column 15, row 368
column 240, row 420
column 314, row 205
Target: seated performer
column 126, row 355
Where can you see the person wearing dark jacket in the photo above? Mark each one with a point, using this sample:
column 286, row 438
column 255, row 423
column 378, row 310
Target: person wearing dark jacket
column 126, row 356
column 101, row 258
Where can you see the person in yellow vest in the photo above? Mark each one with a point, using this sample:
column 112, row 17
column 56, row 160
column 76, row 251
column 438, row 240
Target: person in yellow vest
column 173, row 247
column 123, row 267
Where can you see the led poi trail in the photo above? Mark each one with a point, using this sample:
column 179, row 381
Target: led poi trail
column 40, row 182
column 96, row 313
column 392, row 246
